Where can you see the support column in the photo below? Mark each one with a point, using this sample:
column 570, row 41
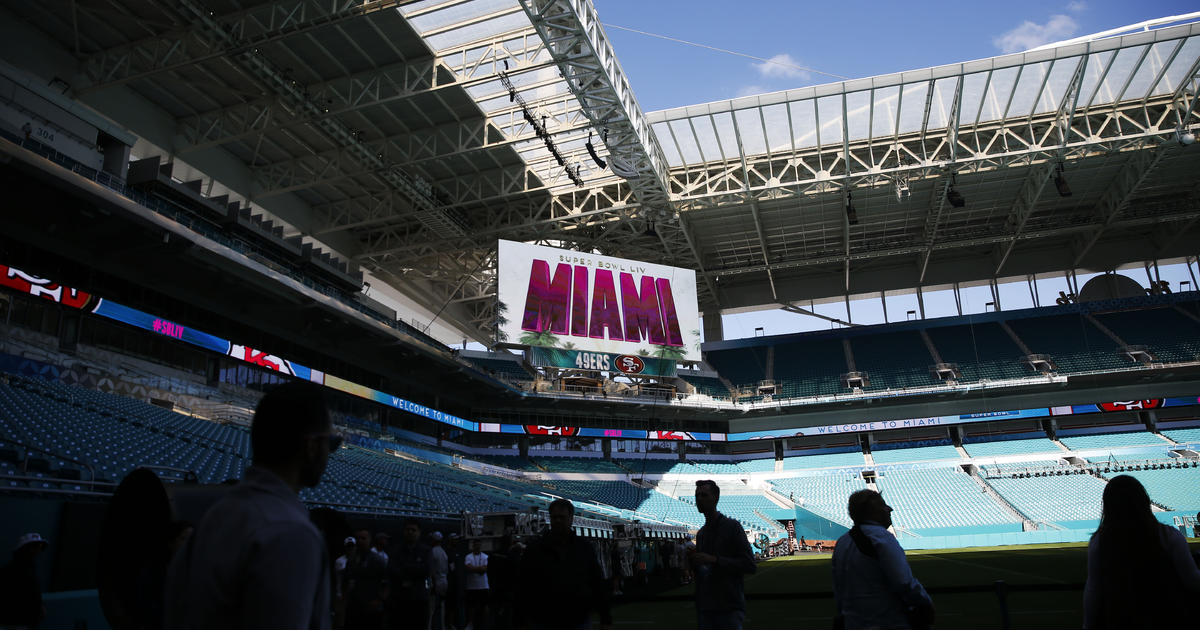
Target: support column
column 714, row 328
column 116, row 156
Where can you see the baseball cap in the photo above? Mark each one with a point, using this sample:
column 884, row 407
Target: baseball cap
column 30, row 538
column 350, row 540
column 436, row 535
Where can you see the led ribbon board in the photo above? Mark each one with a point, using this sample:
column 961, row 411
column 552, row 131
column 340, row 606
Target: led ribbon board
column 560, row 299
column 22, row 282
column 41, row 287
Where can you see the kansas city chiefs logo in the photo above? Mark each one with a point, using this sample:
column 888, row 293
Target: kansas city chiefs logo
column 630, row 364
column 670, row 435
column 541, row 429
column 1130, row 405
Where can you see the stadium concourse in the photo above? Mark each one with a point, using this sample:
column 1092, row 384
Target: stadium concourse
column 205, row 199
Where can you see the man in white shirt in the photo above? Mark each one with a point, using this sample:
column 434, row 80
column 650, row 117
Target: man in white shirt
column 477, row 583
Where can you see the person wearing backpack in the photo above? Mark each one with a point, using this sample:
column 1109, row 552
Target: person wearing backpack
column 873, row 586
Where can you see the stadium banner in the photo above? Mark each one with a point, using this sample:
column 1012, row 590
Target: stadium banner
column 557, row 298
column 884, row 425
column 628, row 364
column 590, row 432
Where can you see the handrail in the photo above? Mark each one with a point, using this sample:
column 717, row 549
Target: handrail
column 25, row 462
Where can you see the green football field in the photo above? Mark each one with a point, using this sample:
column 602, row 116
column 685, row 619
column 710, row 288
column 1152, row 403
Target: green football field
column 1046, row 591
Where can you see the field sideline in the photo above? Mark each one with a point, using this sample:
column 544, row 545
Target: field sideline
column 1046, row 590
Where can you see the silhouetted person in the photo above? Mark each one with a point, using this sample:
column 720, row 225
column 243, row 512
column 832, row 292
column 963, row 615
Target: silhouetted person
column 560, row 583
column 439, row 569
column 153, row 575
column 20, row 594
column 1140, row 572
column 256, row 560
column 408, row 580
column 456, row 580
column 380, row 546
column 873, row 585
column 721, row 559
column 363, row 577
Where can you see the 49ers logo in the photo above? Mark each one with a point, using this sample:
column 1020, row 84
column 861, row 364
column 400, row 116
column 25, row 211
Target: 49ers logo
column 630, row 364
column 542, row 429
column 1130, row 405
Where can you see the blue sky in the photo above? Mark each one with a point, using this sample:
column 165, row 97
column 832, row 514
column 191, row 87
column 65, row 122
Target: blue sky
column 850, row 39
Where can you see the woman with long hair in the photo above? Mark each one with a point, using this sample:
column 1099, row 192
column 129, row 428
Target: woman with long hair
column 1140, row 572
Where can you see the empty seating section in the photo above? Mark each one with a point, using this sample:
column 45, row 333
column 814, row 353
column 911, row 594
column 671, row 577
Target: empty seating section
column 741, row 366
column 982, row 351
column 113, row 435
column 1055, row 498
column 826, row 460
column 1112, row 440
column 883, row 455
column 1183, row 436
column 720, row 468
column 939, row 497
column 643, row 501
column 766, row 464
column 741, row 507
column 1174, row 488
column 707, row 385
column 1073, row 342
column 809, row 368
column 1147, row 328
column 578, row 464
column 824, row 495
column 893, row 360
column 654, row 466
column 511, row 462
column 1025, row 446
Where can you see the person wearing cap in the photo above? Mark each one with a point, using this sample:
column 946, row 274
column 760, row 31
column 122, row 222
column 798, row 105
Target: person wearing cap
column 20, row 593
column 256, row 560
column 339, row 580
column 439, row 569
column 363, row 580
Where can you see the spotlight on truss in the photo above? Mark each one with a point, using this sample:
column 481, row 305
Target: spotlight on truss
column 1060, row 182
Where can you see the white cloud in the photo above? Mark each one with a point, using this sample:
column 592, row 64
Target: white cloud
column 781, row 66
column 1078, row 6
column 1031, row 35
column 751, row 90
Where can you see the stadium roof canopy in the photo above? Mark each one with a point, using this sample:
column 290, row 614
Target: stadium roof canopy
column 410, row 136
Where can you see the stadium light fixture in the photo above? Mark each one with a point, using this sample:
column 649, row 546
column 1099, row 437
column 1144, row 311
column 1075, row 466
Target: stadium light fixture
column 1183, row 136
column 1060, row 182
